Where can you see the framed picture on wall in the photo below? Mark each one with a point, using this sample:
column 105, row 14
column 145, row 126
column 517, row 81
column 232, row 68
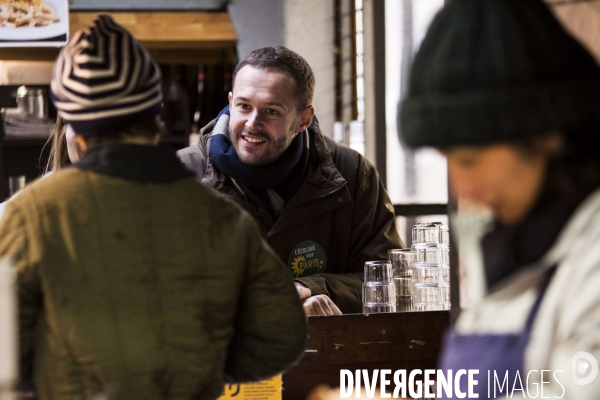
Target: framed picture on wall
column 34, row 23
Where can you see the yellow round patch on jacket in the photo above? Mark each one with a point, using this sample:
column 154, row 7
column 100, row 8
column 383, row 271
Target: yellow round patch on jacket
column 307, row 258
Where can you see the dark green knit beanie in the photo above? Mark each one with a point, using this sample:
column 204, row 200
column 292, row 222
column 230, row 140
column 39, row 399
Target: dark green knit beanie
column 492, row 71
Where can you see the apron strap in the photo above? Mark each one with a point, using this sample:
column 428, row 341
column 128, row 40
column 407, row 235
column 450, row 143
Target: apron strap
column 534, row 310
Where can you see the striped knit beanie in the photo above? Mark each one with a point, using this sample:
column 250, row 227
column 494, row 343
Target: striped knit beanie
column 104, row 78
column 497, row 71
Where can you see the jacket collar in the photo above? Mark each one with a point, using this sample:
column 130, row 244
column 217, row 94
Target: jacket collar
column 143, row 164
column 581, row 223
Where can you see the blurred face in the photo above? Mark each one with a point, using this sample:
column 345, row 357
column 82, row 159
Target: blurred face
column 502, row 177
column 264, row 114
column 72, row 147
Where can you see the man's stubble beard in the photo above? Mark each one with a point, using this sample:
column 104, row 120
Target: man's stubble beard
column 274, row 149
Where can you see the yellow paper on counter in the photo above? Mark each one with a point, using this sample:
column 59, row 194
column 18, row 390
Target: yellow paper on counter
column 263, row 390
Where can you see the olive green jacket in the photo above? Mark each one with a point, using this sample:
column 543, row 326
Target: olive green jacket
column 144, row 288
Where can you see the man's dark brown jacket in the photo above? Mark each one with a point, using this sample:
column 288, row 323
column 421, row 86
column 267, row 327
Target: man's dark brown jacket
column 340, row 217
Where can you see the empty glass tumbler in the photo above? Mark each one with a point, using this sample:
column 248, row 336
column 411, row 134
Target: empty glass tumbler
column 426, row 298
column 379, row 288
column 404, row 291
column 401, row 260
column 374, row 308
column 444, row 254
column 378, row 271
column 445, row 296
column 444, row 275
column 426, row 307
column 431, row 267
column 444, row 234
column 425, row 233
column 426, row 276
column 428, row 253
column 379, row 292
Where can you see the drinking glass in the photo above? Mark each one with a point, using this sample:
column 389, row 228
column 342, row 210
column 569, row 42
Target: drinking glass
column 426, row 274
column 426, row 298
column 374, row 308
column 379, row 288
column 16, row 183
column 425, row 233
column 404, row 285
column 401, row 260
column 426, row 307
column 445, row 297
column 444, row 234
column 404, row 303
column 426, row 294
column 428, row 253
column 404, row 291
column 444, row 254
column 378, row 271
column 379, row 292
column 445, row 275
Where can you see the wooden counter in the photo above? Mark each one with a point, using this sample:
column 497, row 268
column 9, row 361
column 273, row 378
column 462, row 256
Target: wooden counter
column 355, row 341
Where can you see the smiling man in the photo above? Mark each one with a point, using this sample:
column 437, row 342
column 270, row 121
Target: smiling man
column 320, row 205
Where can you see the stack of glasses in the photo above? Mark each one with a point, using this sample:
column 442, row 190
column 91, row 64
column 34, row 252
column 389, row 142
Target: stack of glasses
column 431, row 267
column 379, row 291
column 401, row 260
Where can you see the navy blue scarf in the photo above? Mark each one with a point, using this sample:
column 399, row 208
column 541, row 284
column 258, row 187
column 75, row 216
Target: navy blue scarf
column 284, row 175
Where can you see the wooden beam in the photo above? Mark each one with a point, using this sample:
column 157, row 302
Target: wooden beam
column 170, row 37
column 563, row 2
column 162, row 55
column 197, row 30
column 28, row 53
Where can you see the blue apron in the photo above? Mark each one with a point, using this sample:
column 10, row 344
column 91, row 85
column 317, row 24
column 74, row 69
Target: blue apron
column 490, row 352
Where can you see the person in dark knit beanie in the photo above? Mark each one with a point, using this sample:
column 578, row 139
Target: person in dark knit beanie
column 513, row 101
column 134, row 280
column 497, row 70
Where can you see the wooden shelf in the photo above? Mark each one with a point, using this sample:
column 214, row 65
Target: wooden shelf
column 182, row 141
column 170, row 37
column 164, row 56
column 27, row 155
column 16, row 141
column 23, row 140
column 169, row 29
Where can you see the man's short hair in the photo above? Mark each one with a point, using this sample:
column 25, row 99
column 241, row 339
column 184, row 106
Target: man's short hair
column 282, row 58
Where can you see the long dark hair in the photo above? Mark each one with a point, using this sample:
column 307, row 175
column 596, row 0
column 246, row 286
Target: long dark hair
column 578, row 164
column 59, row 157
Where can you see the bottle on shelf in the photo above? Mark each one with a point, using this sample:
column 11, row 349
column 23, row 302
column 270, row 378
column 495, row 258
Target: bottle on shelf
column 175, row 104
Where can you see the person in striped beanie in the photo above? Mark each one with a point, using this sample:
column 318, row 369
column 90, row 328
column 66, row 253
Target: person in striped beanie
column 135, row 281
column 104, row 78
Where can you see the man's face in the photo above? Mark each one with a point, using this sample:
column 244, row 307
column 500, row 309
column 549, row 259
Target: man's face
column 264, row 114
